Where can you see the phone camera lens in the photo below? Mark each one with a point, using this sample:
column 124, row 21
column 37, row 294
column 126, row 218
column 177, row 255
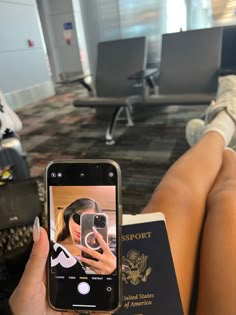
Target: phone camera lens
column 53, row 175
column 99, row 221
column 111, row 174
column 82, row 175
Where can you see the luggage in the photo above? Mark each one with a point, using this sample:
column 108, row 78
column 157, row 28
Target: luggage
column 13, row 142
column 19, row 204
column 9, row 127
column 10, row 157
column 10, row 122
column 19, row 201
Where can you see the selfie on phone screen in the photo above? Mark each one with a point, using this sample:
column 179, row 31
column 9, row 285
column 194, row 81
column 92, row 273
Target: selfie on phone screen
column 83, row 223
column 77, row 223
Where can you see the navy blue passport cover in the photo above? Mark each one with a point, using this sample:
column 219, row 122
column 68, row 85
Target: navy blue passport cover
column 148, row 277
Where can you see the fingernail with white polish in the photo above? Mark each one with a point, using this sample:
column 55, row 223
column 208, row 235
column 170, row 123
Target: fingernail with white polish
column 94, row 230
column 36, row 230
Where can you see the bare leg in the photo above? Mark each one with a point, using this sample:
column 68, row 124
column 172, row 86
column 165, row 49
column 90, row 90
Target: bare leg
column 217, row 284
column 181, row 196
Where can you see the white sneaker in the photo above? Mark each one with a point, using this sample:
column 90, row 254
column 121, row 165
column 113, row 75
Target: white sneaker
column 194, row 130
column 225, row 99
column 212, row 111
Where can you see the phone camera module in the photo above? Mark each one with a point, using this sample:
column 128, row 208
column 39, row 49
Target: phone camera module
column 111, row 174
column 99, row 221
column 53, row 175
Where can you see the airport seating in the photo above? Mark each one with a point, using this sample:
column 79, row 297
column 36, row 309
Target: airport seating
column 228, row 57
column 116, row 61
column 189, row 68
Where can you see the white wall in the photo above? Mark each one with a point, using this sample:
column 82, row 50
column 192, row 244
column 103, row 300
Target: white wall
column 64, row 58
column 91, row 16
column 24, row 73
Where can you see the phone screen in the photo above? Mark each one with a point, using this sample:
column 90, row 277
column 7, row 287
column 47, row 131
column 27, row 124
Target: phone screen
column 83, row 207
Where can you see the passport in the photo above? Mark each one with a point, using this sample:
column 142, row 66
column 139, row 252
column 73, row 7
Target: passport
column 148, row 276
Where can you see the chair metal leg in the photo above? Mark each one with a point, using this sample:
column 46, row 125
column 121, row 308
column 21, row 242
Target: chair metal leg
column 129, row 117
column 112, row 124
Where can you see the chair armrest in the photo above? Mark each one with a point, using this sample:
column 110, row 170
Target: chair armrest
column 75, row 78
column 146, row 75
column 143, row 74
column 81, row 80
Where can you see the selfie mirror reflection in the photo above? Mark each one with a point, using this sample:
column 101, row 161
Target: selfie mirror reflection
column 83, row 230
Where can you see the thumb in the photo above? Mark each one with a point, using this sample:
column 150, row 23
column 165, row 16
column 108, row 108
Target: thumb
column 35, row 267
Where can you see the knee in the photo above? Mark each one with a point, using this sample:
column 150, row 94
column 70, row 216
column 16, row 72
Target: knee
column 229, row 155
column 229, row 161
column 222, row 216
column 222, row 197
column 228, row 168
column 174, row 192
column 221, row 205
column 225, row 185
column 222, row 202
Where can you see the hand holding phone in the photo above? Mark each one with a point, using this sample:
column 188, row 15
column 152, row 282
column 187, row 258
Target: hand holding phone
column 83, row 203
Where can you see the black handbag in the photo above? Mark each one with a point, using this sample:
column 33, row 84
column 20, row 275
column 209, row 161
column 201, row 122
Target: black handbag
column 19, row 203
column 21, row 200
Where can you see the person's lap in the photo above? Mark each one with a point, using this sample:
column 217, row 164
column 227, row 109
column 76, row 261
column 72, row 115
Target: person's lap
column 183, row 233
column 185, row 227
column 217, row 275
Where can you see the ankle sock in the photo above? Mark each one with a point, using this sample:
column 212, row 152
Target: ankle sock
column 224, row 125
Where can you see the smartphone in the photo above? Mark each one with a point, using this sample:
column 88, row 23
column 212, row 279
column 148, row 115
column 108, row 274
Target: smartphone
column 89, row 222
column 82, row 195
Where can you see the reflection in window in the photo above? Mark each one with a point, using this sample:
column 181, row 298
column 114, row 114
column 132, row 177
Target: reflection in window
column 199, row 14
column 144, row 18
column 152, row 18
column 176, row 16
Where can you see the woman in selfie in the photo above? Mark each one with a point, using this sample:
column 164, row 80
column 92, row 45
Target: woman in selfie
column 67, row 250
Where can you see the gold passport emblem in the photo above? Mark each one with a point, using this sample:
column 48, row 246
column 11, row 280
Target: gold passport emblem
column 134, row 267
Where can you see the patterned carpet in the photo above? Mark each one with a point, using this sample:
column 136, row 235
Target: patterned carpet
column 54, row 129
